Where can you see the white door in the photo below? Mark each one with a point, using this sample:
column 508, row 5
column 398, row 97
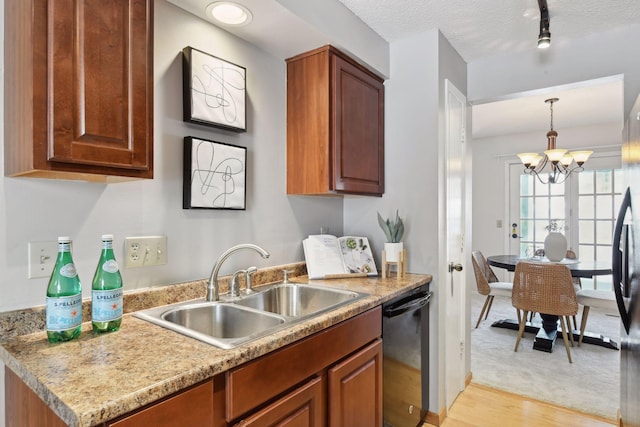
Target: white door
column 455, row 289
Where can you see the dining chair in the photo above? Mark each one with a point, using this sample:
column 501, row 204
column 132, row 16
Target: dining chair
column 544, row 288
column 487, row 283
column 603, row 300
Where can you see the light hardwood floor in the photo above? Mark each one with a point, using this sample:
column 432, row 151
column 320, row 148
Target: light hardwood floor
column 480, row 406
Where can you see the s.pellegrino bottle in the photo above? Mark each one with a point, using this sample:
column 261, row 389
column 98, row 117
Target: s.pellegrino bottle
column 106, row 291
column 64, row 297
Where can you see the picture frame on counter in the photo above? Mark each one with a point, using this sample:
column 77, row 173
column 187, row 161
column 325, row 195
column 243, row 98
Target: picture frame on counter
column 214, row 175
column 214, row 91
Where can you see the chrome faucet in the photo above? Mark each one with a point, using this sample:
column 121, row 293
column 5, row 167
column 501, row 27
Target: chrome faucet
column 213, row 289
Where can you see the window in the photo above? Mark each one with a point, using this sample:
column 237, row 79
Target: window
column 584, row 208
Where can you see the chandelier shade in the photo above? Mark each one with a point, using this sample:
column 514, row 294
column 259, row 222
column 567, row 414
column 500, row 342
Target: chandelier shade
column 558, row 160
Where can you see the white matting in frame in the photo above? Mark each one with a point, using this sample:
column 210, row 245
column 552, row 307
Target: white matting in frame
column 214, row 91
column 214, row 175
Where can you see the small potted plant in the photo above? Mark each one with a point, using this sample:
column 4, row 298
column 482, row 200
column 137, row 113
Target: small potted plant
column 393, row 231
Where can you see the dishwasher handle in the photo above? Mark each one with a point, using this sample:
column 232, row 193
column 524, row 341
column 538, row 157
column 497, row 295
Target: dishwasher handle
column 412, row 304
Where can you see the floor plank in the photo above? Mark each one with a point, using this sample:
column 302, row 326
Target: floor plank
column 481, row 406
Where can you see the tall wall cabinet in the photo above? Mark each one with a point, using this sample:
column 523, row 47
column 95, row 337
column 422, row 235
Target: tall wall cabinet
column 79, row 89
column 335, row 125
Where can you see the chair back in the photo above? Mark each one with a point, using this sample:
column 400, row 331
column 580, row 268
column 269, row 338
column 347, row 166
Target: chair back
column 544, row 288
column 483, row 272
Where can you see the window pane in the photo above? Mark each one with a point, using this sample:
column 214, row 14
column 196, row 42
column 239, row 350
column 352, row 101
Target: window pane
column 557, row 189
column 586, row 253
column 617, row 179
column 541, row 207
column 557, row 207
column 585, row 182
column 526, row 185
column 617, row 201
column 604, row 232
column 604, row 182
column 540, row 231
column 604, row 205
column 603, row 252
column 586, row 283
column 526, row 207
column 586, row 232
column 526, row 230
column 586, row 208
column 541, row 189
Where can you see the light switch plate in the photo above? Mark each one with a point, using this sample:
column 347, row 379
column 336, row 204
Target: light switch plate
column 145, row 251
column 42, row 258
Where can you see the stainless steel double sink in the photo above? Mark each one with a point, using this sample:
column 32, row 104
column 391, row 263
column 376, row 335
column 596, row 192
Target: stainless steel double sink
column 227, row 324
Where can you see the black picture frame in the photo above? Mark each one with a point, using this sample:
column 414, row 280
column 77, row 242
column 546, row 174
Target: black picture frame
column 214, row 91
column 214, row 175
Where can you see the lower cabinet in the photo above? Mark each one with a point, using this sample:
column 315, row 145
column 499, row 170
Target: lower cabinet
column 332, row 378
column 303, row 407
column 355, row 389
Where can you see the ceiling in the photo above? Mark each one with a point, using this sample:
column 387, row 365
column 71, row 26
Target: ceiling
column 476, row 29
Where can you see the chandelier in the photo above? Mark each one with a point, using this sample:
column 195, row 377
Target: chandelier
column 560, row 162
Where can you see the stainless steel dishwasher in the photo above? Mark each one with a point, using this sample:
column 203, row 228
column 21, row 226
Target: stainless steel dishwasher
column 405, row 340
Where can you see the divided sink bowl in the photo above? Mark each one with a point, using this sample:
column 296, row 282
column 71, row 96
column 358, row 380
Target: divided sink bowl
column 235, row 321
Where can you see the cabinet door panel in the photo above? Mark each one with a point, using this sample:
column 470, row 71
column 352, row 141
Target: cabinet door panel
column 355, row 389
column 303, row 407
column 359, row 130
column 99, row 60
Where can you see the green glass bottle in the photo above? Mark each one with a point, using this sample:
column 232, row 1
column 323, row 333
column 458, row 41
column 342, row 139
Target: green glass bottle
column 64, row 297
column 106, row 291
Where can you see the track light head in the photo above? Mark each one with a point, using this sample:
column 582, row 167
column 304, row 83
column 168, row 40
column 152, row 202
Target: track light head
column 544, row 38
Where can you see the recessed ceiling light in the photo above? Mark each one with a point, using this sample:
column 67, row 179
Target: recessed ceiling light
column 229, row 13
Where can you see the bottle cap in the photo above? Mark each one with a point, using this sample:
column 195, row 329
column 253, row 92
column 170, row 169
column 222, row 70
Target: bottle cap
column 107, row 237
column 64, row 239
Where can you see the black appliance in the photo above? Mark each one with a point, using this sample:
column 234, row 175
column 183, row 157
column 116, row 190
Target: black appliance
column 405, row 339
column 626, row 274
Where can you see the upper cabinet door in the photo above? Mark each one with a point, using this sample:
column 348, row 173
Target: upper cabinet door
column 358, row 131
column 335, row 125
column 84, row 76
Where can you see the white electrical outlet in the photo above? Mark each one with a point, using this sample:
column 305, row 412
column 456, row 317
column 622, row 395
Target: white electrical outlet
column 145, row 251
column 42, row 258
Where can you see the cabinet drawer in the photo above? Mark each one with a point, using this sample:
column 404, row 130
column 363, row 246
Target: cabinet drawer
column 193, row 407
column 256, row 382
column 304, row 406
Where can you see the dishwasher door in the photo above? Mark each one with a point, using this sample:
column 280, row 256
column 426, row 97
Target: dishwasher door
column 405, row 340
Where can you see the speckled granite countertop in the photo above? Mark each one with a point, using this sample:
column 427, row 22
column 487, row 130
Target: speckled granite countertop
column 99, row 377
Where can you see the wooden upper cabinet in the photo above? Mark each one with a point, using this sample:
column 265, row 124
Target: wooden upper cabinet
column 335, row 125
column 79, row 89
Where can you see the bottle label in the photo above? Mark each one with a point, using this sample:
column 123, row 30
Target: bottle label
column 68, row 270
column 106, row 305
column 64, row 313
column 110, row 266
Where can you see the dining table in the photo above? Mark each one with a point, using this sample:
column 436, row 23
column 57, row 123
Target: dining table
column 547, row 330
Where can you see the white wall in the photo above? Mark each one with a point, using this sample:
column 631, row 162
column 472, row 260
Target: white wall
column 36, row 210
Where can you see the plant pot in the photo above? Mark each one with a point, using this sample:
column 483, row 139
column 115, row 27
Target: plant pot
column 555, row 246
column 392, row 251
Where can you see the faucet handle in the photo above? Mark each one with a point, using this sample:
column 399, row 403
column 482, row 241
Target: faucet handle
column 234, row 288
column 285, row 275
column 247, row 279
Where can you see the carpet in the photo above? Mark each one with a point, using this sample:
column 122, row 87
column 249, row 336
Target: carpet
column 591, row 384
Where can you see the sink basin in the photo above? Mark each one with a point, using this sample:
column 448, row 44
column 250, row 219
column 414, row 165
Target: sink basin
column 296, row 300
column 227, row 324
column 221, row 324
